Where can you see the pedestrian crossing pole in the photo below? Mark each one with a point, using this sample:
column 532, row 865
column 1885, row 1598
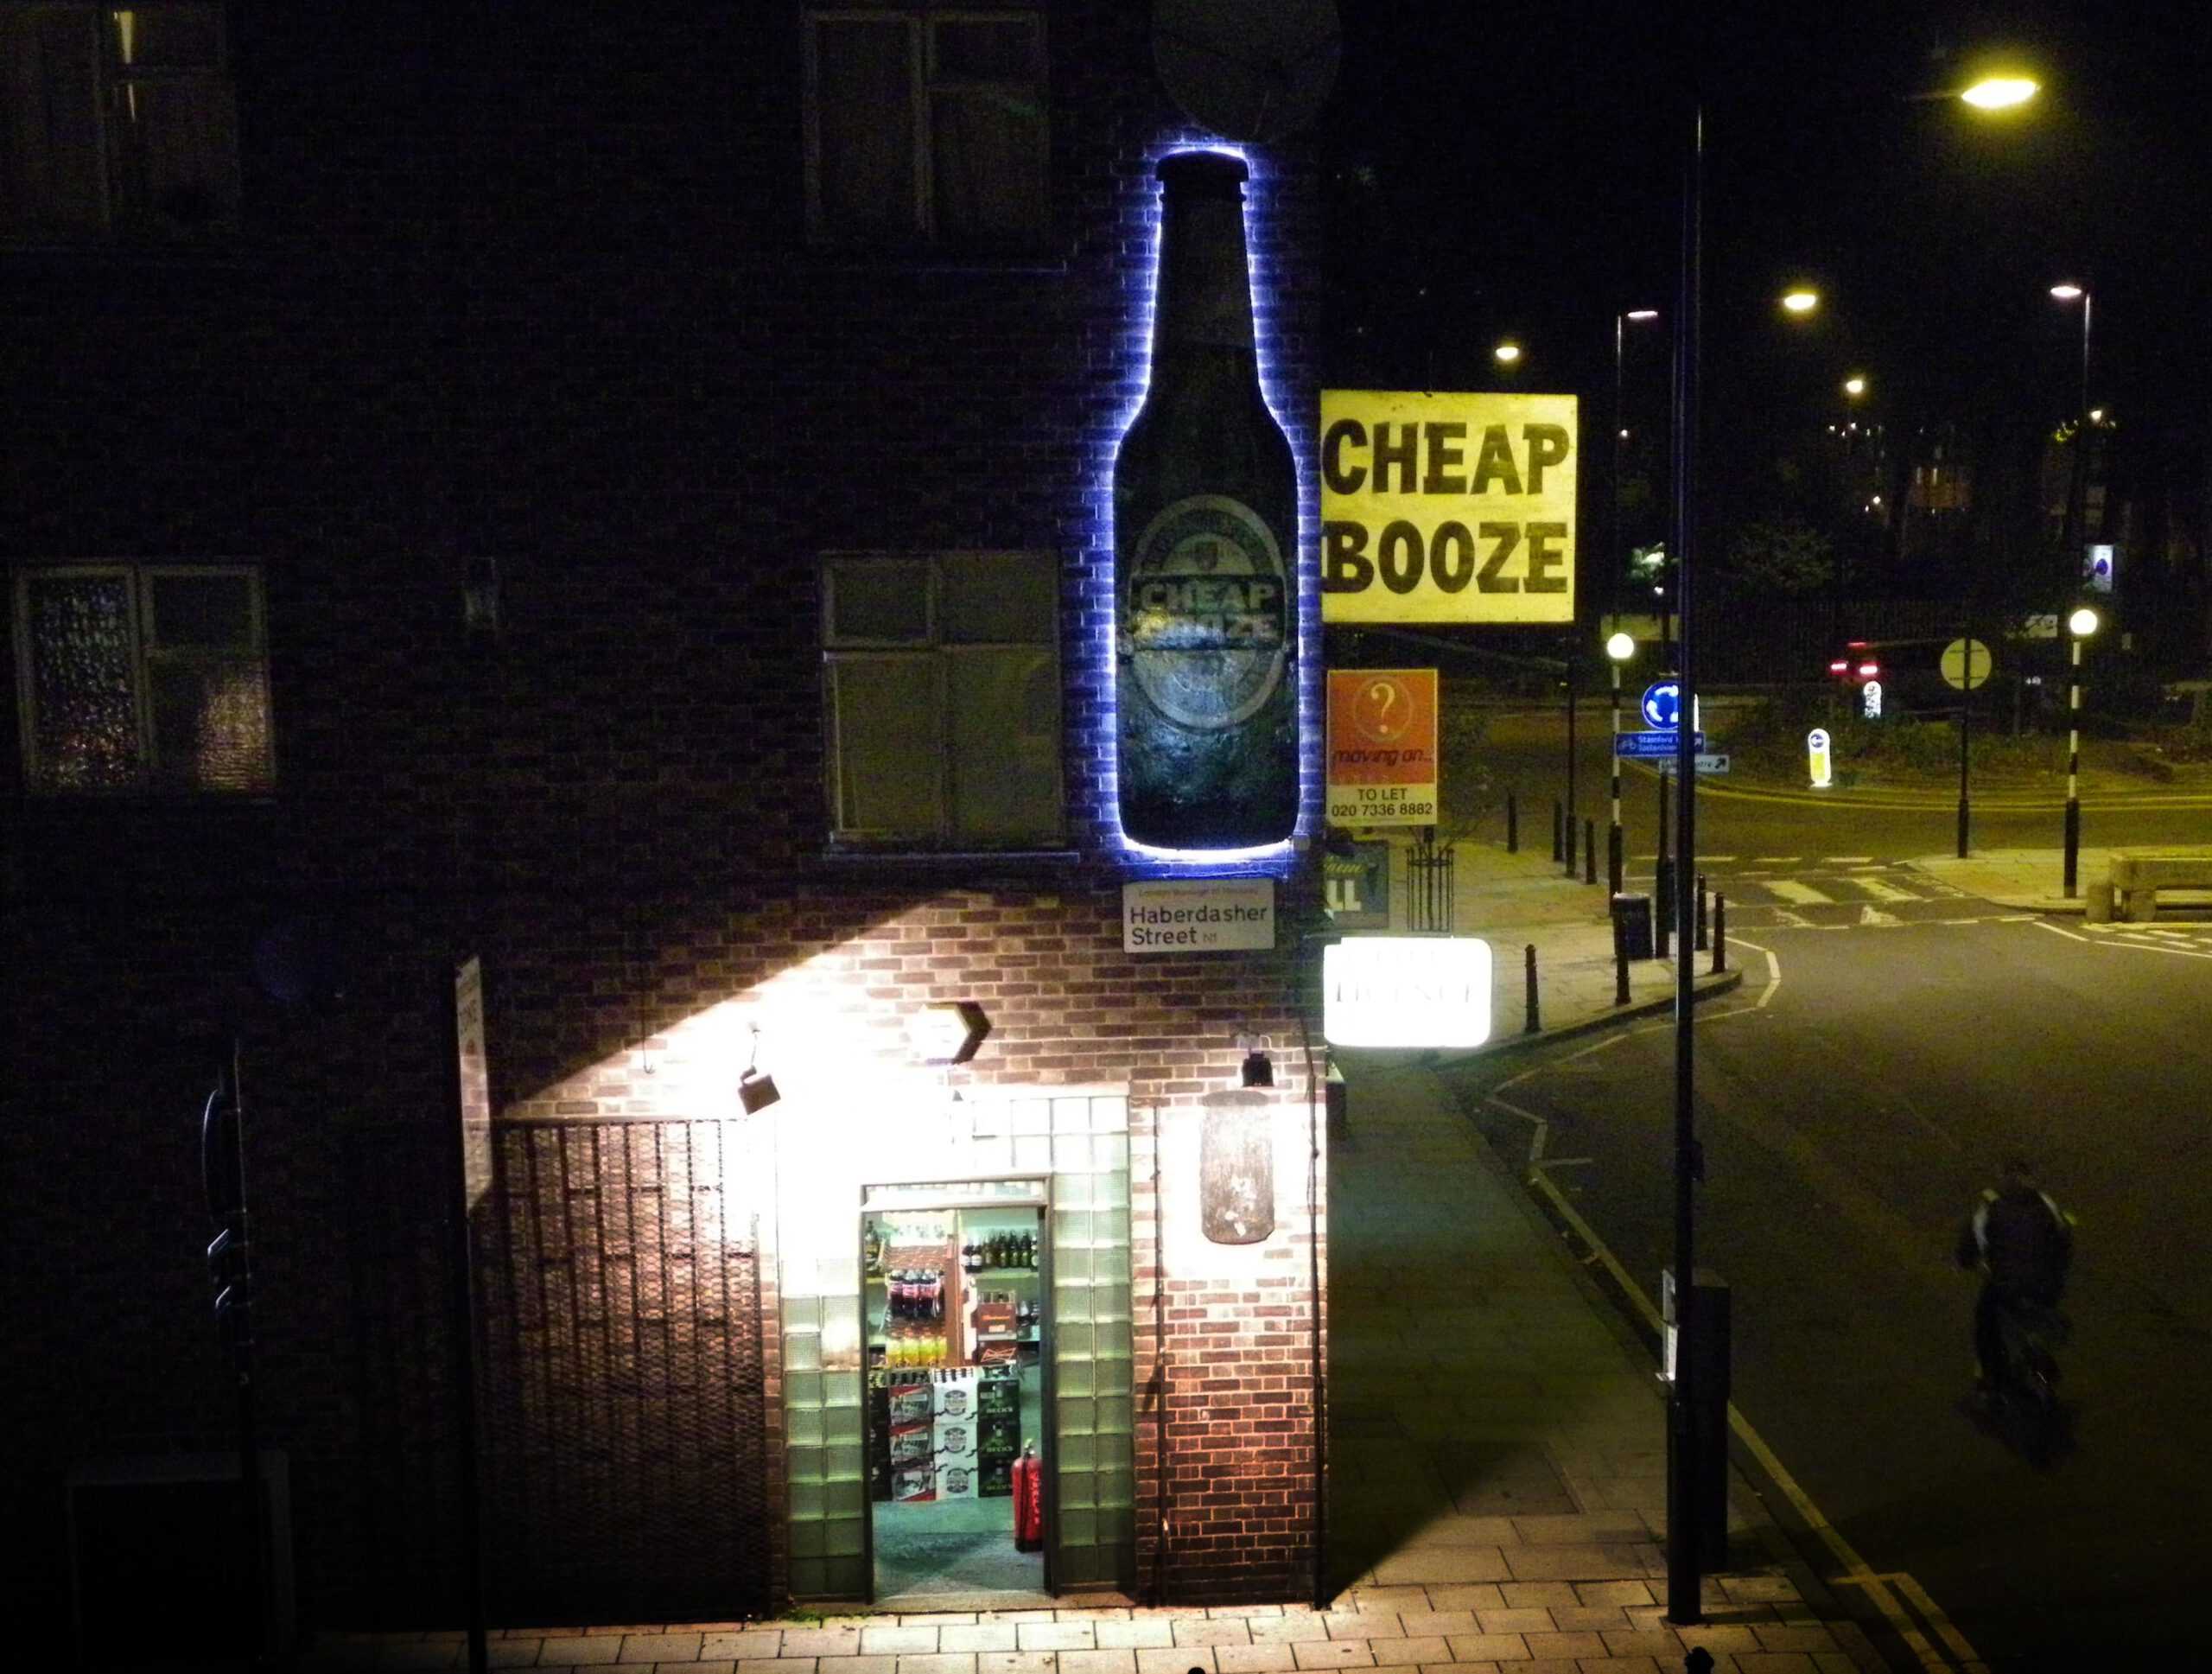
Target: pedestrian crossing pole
column 2082, row 624
column 1619, row 649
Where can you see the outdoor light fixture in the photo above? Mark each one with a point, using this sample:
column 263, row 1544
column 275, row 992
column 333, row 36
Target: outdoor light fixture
column 756, row 1090
column 1801, row 301
column 949, row 1033
column 2066, row 293
column 1854, row 386
column 1620, row 647
column 2000, row 92
column 1507, row 353
column 2082, row 623
column 1259, row 1069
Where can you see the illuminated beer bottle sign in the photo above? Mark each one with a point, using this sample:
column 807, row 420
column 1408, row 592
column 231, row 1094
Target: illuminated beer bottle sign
column 1205, row 522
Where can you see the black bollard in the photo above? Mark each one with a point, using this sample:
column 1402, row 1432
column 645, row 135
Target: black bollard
column 1700, row 912
column 1558, row 832
column 1534, row 1026
column 1620, row 958
column 1512, row 825
column 1720, row 932
column 1589, row 851
column 1570, row 846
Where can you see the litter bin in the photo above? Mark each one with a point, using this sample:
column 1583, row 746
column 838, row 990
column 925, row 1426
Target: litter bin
column 1632, row 924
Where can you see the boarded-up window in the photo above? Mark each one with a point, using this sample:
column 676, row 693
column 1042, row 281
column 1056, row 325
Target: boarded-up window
column 943, row 698
column 926, row 128
column 114, row 119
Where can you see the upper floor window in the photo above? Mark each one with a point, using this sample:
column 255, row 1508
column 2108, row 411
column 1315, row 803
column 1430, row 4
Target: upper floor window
column 942, row 688
column 926, row 128
column 143, row 678
column 114, row 119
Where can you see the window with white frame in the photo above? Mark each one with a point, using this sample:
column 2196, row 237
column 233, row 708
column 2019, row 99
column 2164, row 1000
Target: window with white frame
column 925, row 127
column 114, row 119
column 143, row 678
column 942, row 687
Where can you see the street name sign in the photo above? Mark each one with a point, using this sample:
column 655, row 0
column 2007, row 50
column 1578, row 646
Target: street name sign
column 1202, row 915
column 1649, row 746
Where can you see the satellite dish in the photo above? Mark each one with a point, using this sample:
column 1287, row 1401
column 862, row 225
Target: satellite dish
column 1247, row 70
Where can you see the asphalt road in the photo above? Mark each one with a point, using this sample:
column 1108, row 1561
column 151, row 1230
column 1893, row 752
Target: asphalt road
column 1853, row 1097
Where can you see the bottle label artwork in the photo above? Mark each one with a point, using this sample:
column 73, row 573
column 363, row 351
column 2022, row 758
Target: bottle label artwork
column 1205, row 617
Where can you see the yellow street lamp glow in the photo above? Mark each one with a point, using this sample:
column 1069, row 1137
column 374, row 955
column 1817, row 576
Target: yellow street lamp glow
column 1643, row 313
column 1620, row 647
column 1801, row 301
column 2000, row 92
column 1854, row 386
column 1506, row 354
column 2096, row 415
column 2066, row 293
column 2082, row 623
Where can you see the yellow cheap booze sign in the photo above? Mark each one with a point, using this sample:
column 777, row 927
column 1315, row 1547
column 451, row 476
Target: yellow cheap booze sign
column 1447, row 508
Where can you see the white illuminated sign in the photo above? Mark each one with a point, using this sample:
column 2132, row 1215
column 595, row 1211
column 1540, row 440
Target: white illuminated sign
column 1872, row 693
column 1816, row 756
column 1406, row 991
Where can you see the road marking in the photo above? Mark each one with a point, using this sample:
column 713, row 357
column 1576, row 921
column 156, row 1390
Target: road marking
column 1776, row 860
column 1802, row 894
column 1857, row 1571
column 1848, row 860
column 1874, row 915
column 1881, row 891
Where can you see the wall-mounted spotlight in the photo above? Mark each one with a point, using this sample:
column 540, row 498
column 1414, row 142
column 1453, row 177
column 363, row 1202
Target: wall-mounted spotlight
column 756, row 1089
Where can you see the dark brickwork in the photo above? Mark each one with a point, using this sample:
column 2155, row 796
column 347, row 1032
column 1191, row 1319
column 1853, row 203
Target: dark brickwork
column 536, row 286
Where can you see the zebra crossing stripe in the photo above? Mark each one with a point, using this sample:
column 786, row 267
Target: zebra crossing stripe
column 1800, row 894
column 1881, row 891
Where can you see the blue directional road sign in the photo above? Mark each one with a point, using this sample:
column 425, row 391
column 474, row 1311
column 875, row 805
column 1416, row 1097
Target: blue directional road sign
column 1662, row 704
column 1643, row 746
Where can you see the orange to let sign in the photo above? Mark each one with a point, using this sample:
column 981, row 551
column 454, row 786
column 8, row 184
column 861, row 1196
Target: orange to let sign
column 1383, row 747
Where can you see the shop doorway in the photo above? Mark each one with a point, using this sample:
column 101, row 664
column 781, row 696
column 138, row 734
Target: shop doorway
column 956, row 1286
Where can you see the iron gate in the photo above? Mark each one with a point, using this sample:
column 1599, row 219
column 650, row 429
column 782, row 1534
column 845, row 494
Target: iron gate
column 1428, row 884
column 625, row 1465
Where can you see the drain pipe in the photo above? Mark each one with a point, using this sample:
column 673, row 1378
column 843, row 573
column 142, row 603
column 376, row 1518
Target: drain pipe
column 1159, row 1366
column 1313, row 1096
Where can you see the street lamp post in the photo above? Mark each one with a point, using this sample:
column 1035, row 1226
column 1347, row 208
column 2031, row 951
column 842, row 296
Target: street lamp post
column 2077, row 488
column 1683, row 1564
column 1619, row 649
column 2080, row 625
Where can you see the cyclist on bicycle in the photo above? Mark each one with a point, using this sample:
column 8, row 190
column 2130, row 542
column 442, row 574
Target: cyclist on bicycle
column 2023, row 1243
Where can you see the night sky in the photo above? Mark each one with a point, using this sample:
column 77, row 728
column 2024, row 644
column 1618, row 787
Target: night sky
column 1515, row 171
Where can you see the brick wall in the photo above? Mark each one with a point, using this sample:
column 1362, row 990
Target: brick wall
column 541, row 294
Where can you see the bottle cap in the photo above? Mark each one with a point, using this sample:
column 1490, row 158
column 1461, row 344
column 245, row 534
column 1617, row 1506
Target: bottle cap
column 1207, row 172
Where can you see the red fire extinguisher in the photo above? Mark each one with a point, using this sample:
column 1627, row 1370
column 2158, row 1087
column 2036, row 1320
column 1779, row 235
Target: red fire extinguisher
column 1028, row 1500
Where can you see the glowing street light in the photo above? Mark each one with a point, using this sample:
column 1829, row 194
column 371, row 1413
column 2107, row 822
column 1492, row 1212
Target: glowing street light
column 1801, row 301
column 2000, row 92
column 1854, row 386
column 1506, row 353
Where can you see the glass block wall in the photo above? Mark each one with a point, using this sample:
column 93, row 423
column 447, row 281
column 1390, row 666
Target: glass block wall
column 1080, row 1140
